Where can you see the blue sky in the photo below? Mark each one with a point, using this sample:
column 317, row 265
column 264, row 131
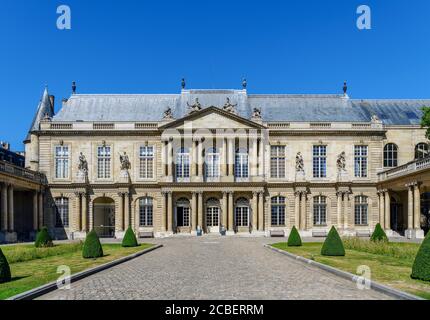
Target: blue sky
column 135, row 46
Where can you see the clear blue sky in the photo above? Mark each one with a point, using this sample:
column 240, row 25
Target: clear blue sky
column 132, row 46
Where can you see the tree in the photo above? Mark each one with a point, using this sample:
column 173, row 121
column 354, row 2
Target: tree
column 425, row 120
column 379, row 234
column 43, row 239
column 421, row 266
column 294, row 239
column 129, row 239
column 92, row 246
column 333, row 245
column 5, row 275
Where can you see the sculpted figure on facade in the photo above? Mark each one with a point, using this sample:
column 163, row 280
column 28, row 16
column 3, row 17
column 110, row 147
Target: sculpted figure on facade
column 125, row 162
column 168, row 114
column 300, row 166
column 256, row 113
column 229, row 107
column 341, row 162
column 194, row 107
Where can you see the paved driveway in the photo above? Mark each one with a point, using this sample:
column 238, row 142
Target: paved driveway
column 213, row 268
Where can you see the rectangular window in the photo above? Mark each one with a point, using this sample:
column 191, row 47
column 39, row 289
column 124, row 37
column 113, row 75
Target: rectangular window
column 212, row 164
column 146, row 212
column 242, row 217
column 320, row 161
column 62, row 212
column 103, row 162
column 183, row 164
column 61, row 162
column 320, row 211
column 146, row 156
column 277, row 162
column 278, row 211
column 360, row 161
column 241, row 165
column 360, row 209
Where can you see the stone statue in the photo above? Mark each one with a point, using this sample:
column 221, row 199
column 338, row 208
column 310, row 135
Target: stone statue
column 341, row 162
column 125, row 162
column 300, row 166
column 195, row 107
column 168, row 115
column 375, row 119
column 229, row 107
column 83, row 164
column 256, row 113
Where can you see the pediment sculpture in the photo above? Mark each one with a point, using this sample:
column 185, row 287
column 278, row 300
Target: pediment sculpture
column 229, row 107
column 168, row 114
column 194, row 107
column 256, row 113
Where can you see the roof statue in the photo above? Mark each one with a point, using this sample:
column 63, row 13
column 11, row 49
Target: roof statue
column 256, row 113
column 229, row 107
column 244, row 83
column 168, row 115
column 195, row 107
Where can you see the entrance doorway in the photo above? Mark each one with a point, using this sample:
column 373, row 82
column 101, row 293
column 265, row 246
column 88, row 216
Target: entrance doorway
column 212, row 215
column 182, row 216
column 104, row 217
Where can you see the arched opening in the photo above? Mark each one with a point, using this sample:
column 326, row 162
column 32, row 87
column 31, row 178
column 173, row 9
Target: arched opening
column 241, row 214
column 183, row 215
column 425, row 212
column 421, row 151
column 390, row 155
column 104, row 217
column 213, row 213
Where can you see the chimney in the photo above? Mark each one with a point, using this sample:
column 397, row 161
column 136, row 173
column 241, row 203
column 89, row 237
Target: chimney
column 52, row 101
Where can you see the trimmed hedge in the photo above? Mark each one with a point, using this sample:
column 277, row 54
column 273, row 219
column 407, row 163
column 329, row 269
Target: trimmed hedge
column 294, row 239
column 129, row 239
column 333, row 245
column 421, row 266
column 379, row 234
column 43, row 239
column 5, row 275
column 92, row 246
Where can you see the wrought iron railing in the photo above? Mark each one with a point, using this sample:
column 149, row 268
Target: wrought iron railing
column 407, row 168
column 22, row 172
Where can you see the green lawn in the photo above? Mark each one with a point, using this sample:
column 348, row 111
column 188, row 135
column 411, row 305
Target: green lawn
column 31, row 267
column 390, row 266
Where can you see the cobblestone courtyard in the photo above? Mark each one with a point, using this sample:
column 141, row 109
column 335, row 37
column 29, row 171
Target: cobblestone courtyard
column 213, row 268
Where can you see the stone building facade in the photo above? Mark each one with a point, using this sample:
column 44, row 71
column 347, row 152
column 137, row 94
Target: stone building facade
column 220, row 161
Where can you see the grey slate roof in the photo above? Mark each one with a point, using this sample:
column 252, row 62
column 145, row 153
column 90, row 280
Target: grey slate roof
column 306, row 108
column 44, row 108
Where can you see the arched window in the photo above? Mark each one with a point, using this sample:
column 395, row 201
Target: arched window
column 320, row 211
column 421, row 151
column 241, row 215
column 241, row 168
column 62, row 212
column 212, row 163
column 361, row 209
column 390, row 155
column 146, row 212
column 183, row 212
column 278, row 211
column 183, row 163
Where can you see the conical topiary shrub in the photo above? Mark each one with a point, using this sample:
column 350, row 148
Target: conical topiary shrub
column 92, row 246
column 43, row 239
column 421, row 266
column 333, row 245
column 129, row 239
column 294, row 239
column 379, row 234
column 4, row 269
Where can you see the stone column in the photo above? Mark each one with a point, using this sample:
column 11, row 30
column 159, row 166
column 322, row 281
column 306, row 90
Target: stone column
column 417, row 207
column 230, row 211
column 381, row 204
column 163, row 212
column 339, row 209
column 261, row 211
column 254, row 211
column 200, row 210
column 170, row 211
column 345, row 210
column 120, row 215
column 254, row 156
column 11, row 210
column 387, row 211
column 224, row 209
column 170, row 159
column 77, row 214
column 35, row 212
column 410, row 207
column 41, row 210
column 194, row 212
column 224, row 160
column 84, row 212
column 297, row 209
column 303, row 214
column 126, row 210
column 4, row 208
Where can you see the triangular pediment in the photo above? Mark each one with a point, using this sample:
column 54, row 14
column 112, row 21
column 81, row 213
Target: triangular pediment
column 213, row 118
